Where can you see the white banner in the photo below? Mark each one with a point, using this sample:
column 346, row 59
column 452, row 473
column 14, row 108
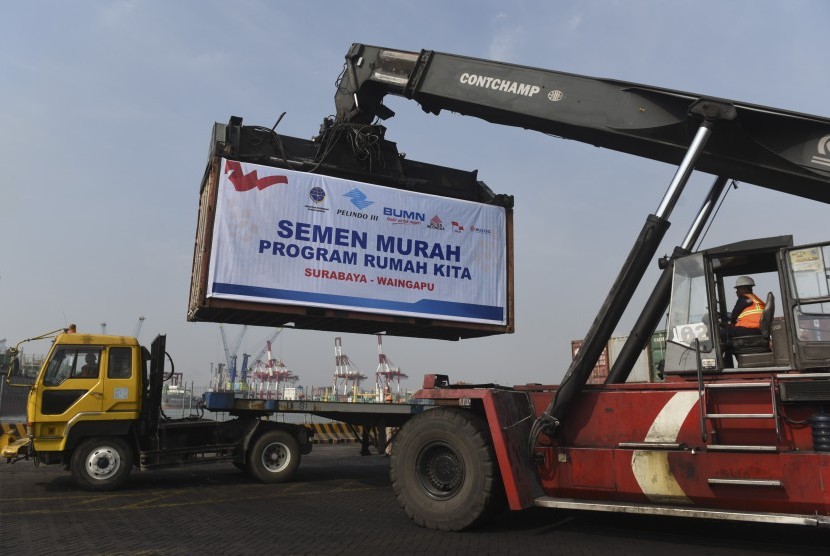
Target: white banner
column 295, row 238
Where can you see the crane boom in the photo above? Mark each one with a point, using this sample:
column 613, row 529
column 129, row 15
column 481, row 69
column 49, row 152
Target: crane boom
column 266, row 347
column 777, row 149
column 138, row 325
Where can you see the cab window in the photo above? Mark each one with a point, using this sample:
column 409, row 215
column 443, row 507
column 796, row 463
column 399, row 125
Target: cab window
column 809, row 272
column 68, row 363
column 120, row 363
column 810, row 278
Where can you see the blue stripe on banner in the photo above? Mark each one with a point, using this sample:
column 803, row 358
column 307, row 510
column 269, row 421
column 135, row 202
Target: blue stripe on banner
column 424, row 306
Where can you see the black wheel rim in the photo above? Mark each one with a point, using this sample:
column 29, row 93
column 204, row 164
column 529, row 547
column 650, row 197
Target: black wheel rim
column 440, row 470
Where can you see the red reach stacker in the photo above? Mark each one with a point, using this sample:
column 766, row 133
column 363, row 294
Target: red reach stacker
column 734, row 429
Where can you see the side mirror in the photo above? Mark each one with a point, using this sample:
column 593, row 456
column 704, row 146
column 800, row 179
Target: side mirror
column 13, row 369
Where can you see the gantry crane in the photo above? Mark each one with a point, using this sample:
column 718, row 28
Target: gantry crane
column 345, row 372
column 230, row 354
column 257, row 359
column 386, row 373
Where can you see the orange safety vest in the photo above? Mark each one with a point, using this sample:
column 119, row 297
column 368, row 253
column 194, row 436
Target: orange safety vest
column 751, row 316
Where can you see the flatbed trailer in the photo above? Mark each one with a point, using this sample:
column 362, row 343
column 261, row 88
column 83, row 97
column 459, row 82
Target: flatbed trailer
column 369, row 421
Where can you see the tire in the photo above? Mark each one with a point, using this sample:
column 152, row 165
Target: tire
column 444, row 470
column 102, row 463
column 274, row 457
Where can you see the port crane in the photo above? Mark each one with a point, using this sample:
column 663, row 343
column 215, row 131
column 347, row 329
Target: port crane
column 231, row 352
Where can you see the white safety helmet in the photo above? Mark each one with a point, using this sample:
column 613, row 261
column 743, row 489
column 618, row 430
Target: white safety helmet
column 744, row 281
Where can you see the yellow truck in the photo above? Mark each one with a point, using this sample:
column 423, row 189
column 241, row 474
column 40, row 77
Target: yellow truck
column 95, row 408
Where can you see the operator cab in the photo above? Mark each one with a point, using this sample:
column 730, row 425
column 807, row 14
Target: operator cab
column 795, row 327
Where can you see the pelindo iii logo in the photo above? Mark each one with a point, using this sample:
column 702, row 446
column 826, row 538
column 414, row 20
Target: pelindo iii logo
column 359, row 198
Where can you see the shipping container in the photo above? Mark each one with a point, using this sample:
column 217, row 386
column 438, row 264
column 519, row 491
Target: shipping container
column 600, row 370
column 640, row 370
column 657, row 354
column 301, row 233
column 644, row 369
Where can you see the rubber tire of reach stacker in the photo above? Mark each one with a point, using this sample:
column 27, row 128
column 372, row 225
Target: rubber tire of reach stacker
column 101, row 463
column 444, row 470
column 274, row 456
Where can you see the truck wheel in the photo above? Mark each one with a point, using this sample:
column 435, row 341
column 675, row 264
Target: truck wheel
column 101, row 463
column 274, row 457
column 444, row 471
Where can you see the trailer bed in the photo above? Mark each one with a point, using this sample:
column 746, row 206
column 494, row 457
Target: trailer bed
column 353, row 413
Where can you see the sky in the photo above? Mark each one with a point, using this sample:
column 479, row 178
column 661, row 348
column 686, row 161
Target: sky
column 106, row 109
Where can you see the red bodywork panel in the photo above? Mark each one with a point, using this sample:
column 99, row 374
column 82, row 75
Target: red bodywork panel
column 646, row 443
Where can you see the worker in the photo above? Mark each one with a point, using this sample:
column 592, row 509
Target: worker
column 71, row 329
column 745, row 318
column 90, row 370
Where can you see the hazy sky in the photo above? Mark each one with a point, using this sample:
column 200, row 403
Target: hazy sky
column 106, row 109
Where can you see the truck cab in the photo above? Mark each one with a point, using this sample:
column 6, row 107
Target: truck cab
column 89, row 384
column 795, row 325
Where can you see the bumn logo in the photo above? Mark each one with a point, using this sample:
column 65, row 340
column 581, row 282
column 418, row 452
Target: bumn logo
column 404, row 214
